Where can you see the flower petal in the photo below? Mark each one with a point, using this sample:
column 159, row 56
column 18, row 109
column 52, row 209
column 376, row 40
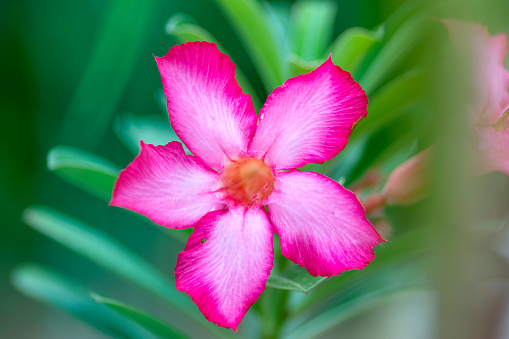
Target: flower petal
column 206, row 106
column 490, row 76
column 166, row 185
column 309, row 118
column 493, row 150
column 322, row 225
column 226, row 263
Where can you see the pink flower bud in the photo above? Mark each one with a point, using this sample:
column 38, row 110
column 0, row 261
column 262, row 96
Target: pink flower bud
column 409, row 182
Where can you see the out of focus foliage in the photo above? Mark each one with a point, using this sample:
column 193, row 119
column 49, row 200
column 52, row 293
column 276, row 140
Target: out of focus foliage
column 81, row 89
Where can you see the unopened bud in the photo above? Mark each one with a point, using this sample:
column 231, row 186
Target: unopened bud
column 409, row 182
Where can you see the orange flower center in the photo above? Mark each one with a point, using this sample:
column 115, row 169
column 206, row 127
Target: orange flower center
column 248, row 181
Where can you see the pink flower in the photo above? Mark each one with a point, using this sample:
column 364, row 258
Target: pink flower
column 242, row 164
column 490, row 96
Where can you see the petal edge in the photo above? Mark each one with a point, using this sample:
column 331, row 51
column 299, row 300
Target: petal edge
column 322, row 226
column 226, row 264
column 167, row 186
column 309, row 118
column 206, row 106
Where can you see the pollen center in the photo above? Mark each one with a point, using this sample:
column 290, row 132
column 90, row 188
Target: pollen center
column 247, row 181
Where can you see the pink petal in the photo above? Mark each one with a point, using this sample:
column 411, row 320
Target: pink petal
column 206, row 106
column 493, row 149
column 166, row 185
column 309, row 118
column 490, row 76
column 322, row 225
column 226, row 263
column 409, row 182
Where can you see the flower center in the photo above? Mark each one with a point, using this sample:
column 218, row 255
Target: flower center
column 247, row 181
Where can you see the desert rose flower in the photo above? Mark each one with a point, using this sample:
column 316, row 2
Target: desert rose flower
column 489, row 107
column 242, row 164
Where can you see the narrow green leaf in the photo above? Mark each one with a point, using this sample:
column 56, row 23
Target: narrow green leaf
column 405, row 12
column 351, row 47
column 49, row 287
column 398, row 257
column 84, row 170
column 252, row 24
column 380, row 146
column 311, row 28
column 408, row 35
column 97, row 175
column 145, row 320
column 299, row 66
column 279, row 16
column 119, row 45
column 185, row 29
column 294, row 279
column 389, row 101
column 326, row 321
column 109, row 254
column 356, row 289
column 182, row 27
column 152, row 129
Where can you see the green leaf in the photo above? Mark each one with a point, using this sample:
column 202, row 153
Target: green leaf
column 252, row 24
column 119, row 46
column 405, row 12
column 351, row 47
column 328, row 320
column 96, row 175
column 379, row 146
column 299, row 66
column 145, row 320
column 389, row 102
column 398, row 257
column 399, row 265
column 294, row 279
column 185, row 29
column 84, row 170
column 279, row 16
column 408, row 35
column 152, row 129
column 182, row 27
column 109, row 254
column 49, row 287
column 311, row 28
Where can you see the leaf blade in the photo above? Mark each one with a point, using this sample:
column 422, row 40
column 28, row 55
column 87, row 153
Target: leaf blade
column 151, row 129
column 145, row 320
column 311, row 28
column 351, row 47
column 84, row 170
column 50, row 287
column 393, row 50
column 294, row 278
column 251, row 23
column 111, row 255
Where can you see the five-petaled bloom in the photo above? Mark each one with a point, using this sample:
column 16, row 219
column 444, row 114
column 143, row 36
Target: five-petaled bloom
column 242, row 164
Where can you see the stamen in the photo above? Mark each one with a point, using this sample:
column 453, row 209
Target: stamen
column 247, row 182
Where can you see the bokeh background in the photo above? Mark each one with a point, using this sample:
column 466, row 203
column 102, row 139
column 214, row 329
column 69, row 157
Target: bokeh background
column 69, row 69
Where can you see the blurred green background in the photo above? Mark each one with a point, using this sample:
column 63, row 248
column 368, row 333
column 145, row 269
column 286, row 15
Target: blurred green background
column 69, row 68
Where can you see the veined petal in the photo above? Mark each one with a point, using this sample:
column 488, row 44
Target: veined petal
column 206, row 106
column 226, row 263
column 490, row 97
column 309, row 118
column 166, row 185
column 322, row 225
